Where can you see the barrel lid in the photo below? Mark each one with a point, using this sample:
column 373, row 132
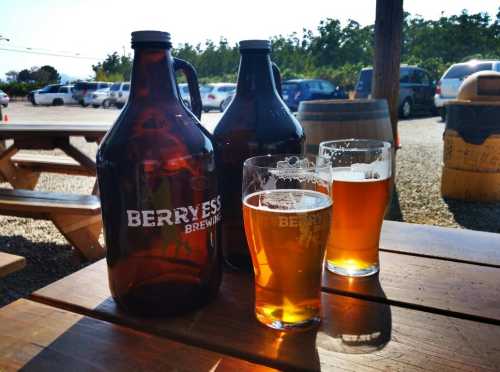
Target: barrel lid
column 482, row 86
column 148, row 36
column 255, row 44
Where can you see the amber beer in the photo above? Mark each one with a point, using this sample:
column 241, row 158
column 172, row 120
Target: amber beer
column 358, row 211
column 361, row 172
column 286, row 232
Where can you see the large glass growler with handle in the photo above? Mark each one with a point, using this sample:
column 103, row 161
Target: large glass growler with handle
column 157, row 178
column 257, row 122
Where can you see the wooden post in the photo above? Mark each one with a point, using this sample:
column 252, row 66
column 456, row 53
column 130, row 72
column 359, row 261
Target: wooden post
column 388, row 27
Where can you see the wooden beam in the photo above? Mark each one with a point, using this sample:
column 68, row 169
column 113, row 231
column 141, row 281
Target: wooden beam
column 388, row 27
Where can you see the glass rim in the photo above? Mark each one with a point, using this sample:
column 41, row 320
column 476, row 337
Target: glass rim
column 250, row 162
column 378, row 145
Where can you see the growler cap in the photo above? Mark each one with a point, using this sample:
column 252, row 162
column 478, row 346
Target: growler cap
column 150, row 36
column 255, row 44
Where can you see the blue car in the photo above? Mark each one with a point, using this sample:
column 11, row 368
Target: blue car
column 298, row 90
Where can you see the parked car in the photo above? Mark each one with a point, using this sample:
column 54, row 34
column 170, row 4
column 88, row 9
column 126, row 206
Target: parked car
column 4, row 98
column 298, row 90
column 119, row 93
column 84, row 87
column 55, row 95
column 101, row 97
column 184, row 91
column 225, row 103
column 447, row 87
column 31, row 96
column 416, row 89
column 212, row 95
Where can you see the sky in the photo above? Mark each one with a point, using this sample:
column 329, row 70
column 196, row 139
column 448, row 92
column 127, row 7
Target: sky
column 90, row 29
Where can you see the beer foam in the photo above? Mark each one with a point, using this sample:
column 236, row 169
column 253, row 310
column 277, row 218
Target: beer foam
column 362, row 172
column 288, row 200
column 294, row 168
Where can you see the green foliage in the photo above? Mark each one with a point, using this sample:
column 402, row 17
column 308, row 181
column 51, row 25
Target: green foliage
column 19, row 89
column 338, row 52
column 42, row 76
column 113, row 68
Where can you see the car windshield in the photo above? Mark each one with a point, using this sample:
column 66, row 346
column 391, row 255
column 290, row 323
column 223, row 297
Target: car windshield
column 289, row 88
column 206, row 88
column 464, row 70
column 1, row 91
column 365, row 81
column 115, row 87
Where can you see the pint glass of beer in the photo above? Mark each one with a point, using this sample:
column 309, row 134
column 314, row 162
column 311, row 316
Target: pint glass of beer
column 361, row 171
column 287, row 221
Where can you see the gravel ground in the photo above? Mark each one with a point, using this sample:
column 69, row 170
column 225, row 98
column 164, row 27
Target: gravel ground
column 49, row 257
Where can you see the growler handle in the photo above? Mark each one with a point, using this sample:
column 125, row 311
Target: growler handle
column 194, row 89
column 277, row 78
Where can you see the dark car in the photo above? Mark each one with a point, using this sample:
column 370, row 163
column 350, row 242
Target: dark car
column 298, row 90
column 416, row 89
column 83, row 87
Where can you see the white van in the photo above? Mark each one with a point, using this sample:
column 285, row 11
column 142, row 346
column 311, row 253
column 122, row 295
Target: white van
column 447, row 87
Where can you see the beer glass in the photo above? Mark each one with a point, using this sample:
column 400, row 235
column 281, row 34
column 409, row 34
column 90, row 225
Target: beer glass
column 286, row 213
column 361, row 171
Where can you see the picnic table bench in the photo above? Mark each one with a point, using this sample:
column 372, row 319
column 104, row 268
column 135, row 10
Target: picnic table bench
column 77, row 217
column 10, row 263
column 435, row 305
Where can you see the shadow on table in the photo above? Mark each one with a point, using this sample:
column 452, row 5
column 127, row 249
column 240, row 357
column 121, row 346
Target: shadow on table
column 475, row 215
column 349, row 325
column 355, row 326
column 394, row 211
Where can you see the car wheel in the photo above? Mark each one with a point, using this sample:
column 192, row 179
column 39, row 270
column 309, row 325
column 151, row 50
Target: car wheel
column 406, row 109
column 106, row 103
column 442, row 113
column 96, row 106
column 57, row 102
column 5, row 105
column 119, row 105
column 206, row 109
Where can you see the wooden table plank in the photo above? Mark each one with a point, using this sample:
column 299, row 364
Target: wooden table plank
column 10, row 263
column 37, row 337
column 442, row 242
column 53, row 130
column 466, row 290
column 390, row 337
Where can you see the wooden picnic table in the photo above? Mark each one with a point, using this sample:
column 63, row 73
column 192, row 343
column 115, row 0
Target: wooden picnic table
column 44, row 137
column 78, row 217
column 434, row 306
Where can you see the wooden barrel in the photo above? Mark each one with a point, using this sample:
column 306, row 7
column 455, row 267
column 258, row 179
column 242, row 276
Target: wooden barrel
column 471, row 156
column 325, row 120
column 459, row 154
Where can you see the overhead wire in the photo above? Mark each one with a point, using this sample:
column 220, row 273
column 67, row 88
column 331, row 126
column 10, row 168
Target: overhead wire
column 47, row 52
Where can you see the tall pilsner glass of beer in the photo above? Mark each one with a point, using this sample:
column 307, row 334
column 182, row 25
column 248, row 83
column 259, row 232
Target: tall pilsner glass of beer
column 287, row 221
column 361, row 171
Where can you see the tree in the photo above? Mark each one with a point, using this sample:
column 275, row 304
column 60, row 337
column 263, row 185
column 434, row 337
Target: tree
column 24, row 76
column 114, row 68
column 11, row 76
column 46, row 75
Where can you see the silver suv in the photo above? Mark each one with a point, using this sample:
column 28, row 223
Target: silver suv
column 447, row 87
column 213, row 95
column 119, row 93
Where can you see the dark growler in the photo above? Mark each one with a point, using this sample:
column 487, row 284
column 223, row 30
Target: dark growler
column 257, row 122
column 160, row 203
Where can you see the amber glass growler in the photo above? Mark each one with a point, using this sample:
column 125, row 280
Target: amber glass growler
column 257, row 122
column 160, row 203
